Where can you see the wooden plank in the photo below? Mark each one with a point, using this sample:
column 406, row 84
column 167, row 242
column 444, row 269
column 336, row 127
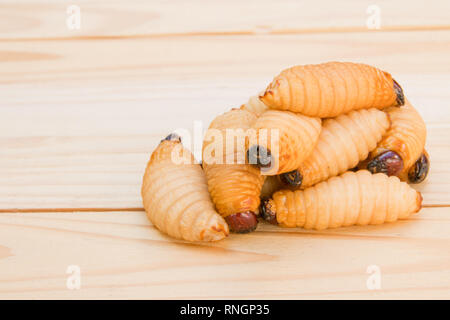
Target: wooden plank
column 121, row 255
column 239, row 58
column 79, row 121
column 42, row 19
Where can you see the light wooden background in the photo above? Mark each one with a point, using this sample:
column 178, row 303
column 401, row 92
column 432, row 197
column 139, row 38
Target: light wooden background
column 81, row 111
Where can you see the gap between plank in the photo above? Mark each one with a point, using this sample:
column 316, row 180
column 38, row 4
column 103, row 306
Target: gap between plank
column 135, row 209
column 236, row 33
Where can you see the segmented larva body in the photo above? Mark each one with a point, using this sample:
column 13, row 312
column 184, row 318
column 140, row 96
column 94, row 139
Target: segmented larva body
column 354, row 198
column 331, row 89
column 406, row 136
column 234, row 187
column 343, row 143
column 291, row 137
column 176, row 197
column 255, row 105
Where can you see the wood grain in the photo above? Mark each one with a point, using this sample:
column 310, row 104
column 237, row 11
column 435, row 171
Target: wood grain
column 120, row 256
column 81, row 111
column 46, row 19
column 226, row 59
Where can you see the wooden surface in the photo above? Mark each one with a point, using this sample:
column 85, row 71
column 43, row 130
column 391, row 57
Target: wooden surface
column 81, row 111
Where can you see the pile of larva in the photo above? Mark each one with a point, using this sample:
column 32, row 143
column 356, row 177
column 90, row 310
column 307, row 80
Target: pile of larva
column 348, row 144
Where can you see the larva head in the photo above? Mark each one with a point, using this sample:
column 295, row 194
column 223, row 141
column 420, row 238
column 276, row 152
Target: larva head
column 268, row 210
column 172, row 137
column 419, row 171
column 171, row 149
column 242, row 222
column 388, row 162
column 292, row 178
column 399, row 92
column 259, row 156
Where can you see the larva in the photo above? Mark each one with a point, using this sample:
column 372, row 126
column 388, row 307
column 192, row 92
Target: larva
column 176, row 197
column 283, row 140
column 402, row 148
column 354, row 198
column 255, row 105
column 333, row 88
column 234, row 187
column 343, row 142
column 271, row 185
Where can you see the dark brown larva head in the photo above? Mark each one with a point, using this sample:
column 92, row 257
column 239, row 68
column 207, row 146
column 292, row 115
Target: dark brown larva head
column 399, row 92
column 242, row 222
column 388, row 162
column 292, row 178
column 419, row 171
column 260, row 156
column 172, row 137
column 267, row 211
